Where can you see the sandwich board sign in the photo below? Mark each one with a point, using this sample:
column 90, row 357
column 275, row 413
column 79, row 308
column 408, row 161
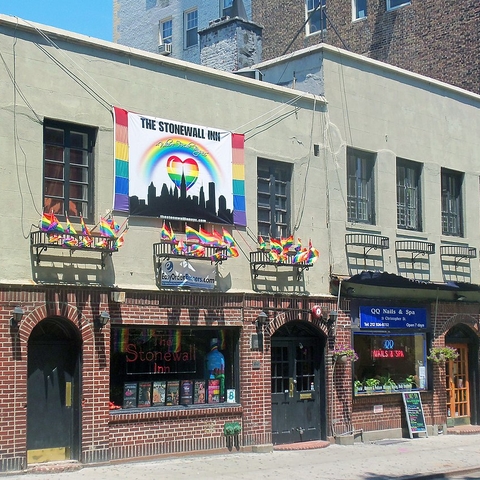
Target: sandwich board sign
column 414, row 413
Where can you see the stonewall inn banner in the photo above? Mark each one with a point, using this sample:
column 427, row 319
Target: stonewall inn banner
column 178, row 171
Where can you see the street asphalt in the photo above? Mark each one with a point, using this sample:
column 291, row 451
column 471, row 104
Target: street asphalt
column 457, row 456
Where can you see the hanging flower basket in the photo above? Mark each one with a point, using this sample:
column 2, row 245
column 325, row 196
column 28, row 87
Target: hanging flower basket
column 442, row 354
column 344, row 354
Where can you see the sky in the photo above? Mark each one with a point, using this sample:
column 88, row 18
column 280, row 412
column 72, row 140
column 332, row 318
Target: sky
column 88, row 17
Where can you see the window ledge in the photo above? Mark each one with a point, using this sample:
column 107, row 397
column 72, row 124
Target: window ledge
column 126, row 415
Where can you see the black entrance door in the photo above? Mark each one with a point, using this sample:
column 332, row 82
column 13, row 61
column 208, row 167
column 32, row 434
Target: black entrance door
column 52, row 394
column 298, row 398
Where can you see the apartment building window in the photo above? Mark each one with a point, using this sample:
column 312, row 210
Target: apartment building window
column 316, row 19
column 391, row 4
column 452, row 222
column 360, row 187
column 226, row 8
column 408, row 195
column 165, row 32
column 359, row 9
column 68, row 168
column 191, row 28
column 273, row 186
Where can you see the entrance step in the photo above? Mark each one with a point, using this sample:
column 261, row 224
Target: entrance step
column 55, row 467
column 464, row 430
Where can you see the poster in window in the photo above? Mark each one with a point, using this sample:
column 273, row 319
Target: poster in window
column 186, row 392
column 199, row 392
column 144, row 394
column 173, row 390
column 130, row 395
column 214, row 391
column 158, row 393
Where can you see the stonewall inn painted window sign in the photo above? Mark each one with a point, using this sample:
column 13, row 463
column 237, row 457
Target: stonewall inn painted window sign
column 393, row 317
column 178, row 171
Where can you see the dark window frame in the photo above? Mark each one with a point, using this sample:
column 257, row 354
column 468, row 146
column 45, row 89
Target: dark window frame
column 274, row 198
column 452, row 203
column 409, row 193
column 357, row 5
column 361, row 186
column 63, row 176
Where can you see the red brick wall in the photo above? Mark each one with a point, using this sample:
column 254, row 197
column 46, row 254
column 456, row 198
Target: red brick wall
column 437, row 39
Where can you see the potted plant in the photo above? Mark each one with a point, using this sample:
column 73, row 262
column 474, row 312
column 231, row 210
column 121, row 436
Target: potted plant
column 358, row 386
column 410, row 381
column 344, row 354
column 442, row 354
column 371, row 384
column 388, row 383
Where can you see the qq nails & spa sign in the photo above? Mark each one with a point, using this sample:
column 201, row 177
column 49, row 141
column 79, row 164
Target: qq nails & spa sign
column 393, row 317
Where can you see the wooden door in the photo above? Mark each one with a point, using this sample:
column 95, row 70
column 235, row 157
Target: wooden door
column 457, row 385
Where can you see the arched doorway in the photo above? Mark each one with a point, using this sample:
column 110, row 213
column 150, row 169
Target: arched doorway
column 298, row 384
column 462, row 377
column 53, row 392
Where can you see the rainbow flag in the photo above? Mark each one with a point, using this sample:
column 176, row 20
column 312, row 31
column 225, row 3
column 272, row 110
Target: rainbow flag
column 50, row 223
column 227, row 237
column 287, row 243
column 102, row 243
column 166, row 233
column 197, row 250
column 120, row 240
column 217, row 257
column 107, row 227
column 274, row 256
column 262, row 244
column 192, row 235
column 178, row 248
column 232, row 251
column 69, row 229
column 206, row 238
column 70, row 242
column 276, row 245
column 85, row 230
column 219, row 238
column 301, row 256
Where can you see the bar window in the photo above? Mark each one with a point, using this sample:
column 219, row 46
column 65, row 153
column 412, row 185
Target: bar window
column 159, row 367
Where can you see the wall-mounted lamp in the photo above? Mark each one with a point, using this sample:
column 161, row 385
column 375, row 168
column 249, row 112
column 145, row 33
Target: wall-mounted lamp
column 102, row 319
column 261, row 321
column 460, row 298
column 17, row 316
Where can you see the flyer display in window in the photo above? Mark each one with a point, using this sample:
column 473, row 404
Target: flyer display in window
column 130, row 395
column 199, row 392
column 186, row 392
column 214, row 391
column 144, row 394
column 159, row 393
column 173, row 393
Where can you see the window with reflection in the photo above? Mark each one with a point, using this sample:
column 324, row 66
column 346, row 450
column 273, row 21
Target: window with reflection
column 389, row 362
column 162, row 367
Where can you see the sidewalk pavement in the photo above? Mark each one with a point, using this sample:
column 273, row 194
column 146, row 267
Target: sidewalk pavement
column 405, row 458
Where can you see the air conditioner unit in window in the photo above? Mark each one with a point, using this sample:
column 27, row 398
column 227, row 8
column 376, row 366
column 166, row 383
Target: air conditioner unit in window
column 165, row 49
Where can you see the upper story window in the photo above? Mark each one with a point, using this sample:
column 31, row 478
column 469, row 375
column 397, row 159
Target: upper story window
column 408, row 195
column 165, row 31
column 359, row 9
column 273, row 185
column 191, row 28
column 391, row 4
column 316, row 19
column 452, row 214
column 360, row 187
column 68, row 169
column 226, row 8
